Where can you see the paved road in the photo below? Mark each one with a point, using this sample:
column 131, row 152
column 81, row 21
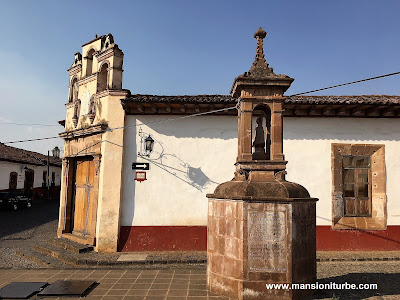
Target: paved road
column 25, row 228
column 190, row 284
column 28, row 227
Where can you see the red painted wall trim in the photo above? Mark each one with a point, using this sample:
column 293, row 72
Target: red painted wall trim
column 194, row 238
column 162, row 238
column 358, row 240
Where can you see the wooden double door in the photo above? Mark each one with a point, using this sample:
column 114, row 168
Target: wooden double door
column 84, row 198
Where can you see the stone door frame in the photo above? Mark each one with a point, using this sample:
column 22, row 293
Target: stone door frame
column 66, row 209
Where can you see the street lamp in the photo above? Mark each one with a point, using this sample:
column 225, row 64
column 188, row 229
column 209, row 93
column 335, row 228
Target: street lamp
column 149, row 144
column 56, row 152
column 146, row 144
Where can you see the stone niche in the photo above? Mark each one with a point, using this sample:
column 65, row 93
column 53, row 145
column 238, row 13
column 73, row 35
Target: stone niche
column 252, row 243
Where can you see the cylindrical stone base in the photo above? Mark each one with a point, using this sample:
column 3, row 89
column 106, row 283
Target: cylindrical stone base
column 251, row 244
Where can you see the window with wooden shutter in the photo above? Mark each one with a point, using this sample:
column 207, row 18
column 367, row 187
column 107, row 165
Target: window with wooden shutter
column 359, row 186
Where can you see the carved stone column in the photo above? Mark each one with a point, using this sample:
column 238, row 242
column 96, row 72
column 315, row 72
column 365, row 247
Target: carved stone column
column 66, row 196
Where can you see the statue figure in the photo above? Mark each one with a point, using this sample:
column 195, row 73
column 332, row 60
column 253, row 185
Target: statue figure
column 259, row 141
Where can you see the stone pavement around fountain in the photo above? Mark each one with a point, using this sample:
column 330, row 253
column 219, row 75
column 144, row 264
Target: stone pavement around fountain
column 190, row 283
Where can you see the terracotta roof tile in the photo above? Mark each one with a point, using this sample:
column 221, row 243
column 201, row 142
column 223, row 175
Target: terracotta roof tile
column 182, row 98
column 9, row 153
column 357, row 99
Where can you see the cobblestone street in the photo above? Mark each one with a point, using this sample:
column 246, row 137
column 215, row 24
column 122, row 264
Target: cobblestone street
column 25, row 228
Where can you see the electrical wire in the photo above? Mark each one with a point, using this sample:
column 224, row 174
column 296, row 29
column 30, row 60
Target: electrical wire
column 23, row 124
column 209, row 112
column 32, row 140
column 343, row 84
column 142, row 124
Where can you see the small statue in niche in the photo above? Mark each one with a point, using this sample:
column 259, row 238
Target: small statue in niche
column 259, row 141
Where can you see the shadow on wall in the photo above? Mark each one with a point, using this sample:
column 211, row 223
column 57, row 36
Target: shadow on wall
column 185, row 172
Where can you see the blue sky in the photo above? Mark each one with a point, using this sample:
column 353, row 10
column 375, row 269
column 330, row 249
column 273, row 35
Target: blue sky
column 189, row 47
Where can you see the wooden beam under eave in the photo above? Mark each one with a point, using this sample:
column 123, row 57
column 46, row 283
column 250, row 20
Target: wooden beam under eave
column 167, row 108
column 182, row 108
column 288, row 112
column 373, row 112
column 228, row 111
column 343, row 112
column 389, row 112
column 328, row 111
column 153, row 108
column 300, row 112
column 196, row 108
column 140, row 108
column 358, row 111
column 314, row 111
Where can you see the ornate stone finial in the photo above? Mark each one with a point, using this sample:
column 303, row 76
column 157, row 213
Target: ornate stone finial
column 260, row 34
column 97, row 36
column 260, row 66
column 260, row 70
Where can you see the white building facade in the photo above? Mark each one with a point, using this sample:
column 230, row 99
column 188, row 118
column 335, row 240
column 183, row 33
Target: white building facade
column 342, row 149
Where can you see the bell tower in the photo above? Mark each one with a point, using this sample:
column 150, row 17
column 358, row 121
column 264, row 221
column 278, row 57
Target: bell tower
column 92, row 76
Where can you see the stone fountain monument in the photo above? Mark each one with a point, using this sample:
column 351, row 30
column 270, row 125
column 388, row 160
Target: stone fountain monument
column 261, row 228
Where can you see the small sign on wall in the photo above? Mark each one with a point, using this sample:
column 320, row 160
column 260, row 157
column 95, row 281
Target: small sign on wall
column 140, row 166
column 140, row 176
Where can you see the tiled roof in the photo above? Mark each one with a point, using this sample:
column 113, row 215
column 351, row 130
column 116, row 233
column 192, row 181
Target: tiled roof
column 183, row 98
column 9, row 153
column 358, row 99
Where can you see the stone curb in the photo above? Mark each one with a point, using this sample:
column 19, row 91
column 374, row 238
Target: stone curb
column 359, row 259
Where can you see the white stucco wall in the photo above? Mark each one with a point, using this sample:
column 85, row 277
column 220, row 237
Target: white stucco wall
column 171, row 196
column 307, row 147
column 191, row 157
column 7, row 167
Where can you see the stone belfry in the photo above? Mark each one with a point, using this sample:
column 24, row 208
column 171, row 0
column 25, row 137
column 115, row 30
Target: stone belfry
column 261, row 228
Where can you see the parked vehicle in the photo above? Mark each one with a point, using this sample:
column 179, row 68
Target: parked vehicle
column 11, row 200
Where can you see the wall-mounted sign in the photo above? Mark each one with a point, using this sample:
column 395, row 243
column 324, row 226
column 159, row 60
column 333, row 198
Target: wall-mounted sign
column 140, row 176
column 140, row 166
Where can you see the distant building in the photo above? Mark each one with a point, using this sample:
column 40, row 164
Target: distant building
column 26, row 172
column 343, row 149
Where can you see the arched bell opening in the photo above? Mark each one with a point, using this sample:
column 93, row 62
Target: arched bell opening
column 89, row 62
column 261, row 133
column 102, row 79
column 73, row 90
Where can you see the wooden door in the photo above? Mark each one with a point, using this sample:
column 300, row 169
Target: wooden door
column 28, row 184
column 84, row 181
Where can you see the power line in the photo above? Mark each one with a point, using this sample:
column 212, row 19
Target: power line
column 343, row 84
column 213, row 111
column 32, row 140
column 23, row 124
column 150, row 123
